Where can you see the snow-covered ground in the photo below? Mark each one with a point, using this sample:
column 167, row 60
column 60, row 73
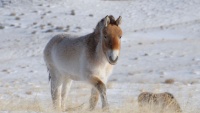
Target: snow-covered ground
column 161, row 40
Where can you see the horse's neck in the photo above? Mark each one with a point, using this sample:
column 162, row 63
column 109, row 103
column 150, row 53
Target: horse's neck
column 95, row 48
column 99, row 50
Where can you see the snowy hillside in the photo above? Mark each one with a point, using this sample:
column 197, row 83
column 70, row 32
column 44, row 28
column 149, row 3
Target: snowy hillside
column 160, row 50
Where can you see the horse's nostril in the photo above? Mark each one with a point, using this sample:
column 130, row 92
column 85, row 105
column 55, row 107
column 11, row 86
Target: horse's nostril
column 113, row 60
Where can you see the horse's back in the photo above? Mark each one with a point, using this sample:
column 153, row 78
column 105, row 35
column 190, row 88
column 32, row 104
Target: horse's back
column 64, row 52
column 57, row 42
column 50, row 45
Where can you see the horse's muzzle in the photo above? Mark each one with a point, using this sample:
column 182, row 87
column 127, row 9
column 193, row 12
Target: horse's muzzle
column 113, row 61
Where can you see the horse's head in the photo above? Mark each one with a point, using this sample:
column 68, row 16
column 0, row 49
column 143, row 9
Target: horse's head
column 111, row 34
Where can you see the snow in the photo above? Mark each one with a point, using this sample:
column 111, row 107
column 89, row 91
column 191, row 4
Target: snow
column 160, row 41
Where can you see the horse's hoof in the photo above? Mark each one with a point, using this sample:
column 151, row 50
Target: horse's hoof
column 106, row 109
column 90, row 108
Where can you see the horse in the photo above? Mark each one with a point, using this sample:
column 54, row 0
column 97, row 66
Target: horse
column 88, row 58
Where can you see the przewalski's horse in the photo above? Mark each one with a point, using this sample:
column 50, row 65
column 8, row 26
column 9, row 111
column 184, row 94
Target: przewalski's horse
column 88, row 58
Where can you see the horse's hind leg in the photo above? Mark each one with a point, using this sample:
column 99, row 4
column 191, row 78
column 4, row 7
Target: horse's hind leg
column 65, row 90
column 100, row 86
column 56, row 85
column 94, row 98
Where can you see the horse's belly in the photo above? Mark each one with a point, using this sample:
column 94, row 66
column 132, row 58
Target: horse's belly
column 70, row 69
column 69, row 66
column 68, row 61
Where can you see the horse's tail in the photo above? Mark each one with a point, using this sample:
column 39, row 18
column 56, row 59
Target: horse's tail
column 49, row 76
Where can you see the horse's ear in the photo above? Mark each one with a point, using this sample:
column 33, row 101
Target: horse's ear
column 112, row 19
column 119, row 20
column 106, row 21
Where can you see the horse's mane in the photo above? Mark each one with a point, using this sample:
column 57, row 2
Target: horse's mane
column 112, row 22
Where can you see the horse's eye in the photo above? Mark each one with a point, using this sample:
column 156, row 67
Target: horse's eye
column 120, row 37
column 105, row 37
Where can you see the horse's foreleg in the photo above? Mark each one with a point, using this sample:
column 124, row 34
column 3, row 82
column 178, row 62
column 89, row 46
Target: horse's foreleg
column 65, row 90
column 94, row 98
column 100, row 86
column 56, row 85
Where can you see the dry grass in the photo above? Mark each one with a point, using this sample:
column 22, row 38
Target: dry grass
column 22, row 105
column 19, row 105
column 17, row 18
column 59, row 28
column 12, row 14
column 49, row 30
column 158, row 102
column 169, row 81
column 1, row 26
column 91, row 15
column 72, row 12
